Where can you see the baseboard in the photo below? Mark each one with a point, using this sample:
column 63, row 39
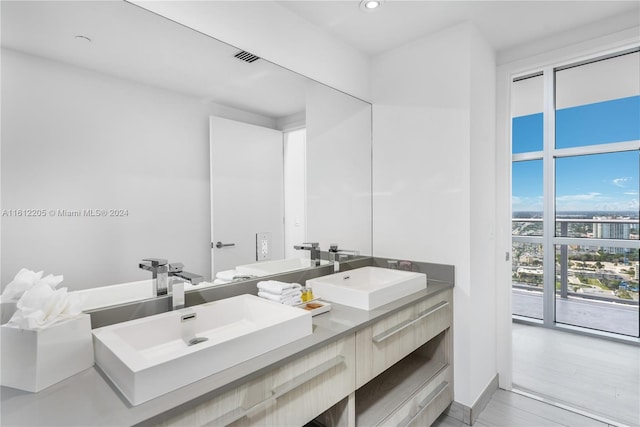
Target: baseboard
column 469, row 415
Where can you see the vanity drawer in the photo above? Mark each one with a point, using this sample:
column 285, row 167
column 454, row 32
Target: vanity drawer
column 389, row 340
column 314, row 382
column 426, row 404
column 293, row 394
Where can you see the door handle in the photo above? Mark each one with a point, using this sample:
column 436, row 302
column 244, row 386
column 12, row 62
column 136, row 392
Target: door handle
column 223, row 245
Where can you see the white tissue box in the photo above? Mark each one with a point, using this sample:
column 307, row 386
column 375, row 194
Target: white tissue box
column 34, row 359
column 7, row 308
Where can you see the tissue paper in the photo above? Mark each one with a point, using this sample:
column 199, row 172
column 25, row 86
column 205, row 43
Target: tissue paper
column 39, row 304
column 25, row 280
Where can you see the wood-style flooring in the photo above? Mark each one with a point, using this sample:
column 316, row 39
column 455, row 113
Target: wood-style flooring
column 599, row 378
column 594, row 375
column 509, row 409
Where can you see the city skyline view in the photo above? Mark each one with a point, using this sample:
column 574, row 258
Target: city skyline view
column 593, row 281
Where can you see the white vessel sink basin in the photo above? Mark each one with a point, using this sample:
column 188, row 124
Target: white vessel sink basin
column 105, row 296
column 268, row 268
column 148, row 357
column 367, row 287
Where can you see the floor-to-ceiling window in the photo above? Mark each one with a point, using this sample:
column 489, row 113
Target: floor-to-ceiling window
column 575, row 185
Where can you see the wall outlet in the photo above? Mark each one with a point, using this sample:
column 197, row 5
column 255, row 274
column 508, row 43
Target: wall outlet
column 263, row 246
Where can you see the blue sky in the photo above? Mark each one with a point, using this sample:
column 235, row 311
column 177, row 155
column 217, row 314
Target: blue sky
column 607, row 182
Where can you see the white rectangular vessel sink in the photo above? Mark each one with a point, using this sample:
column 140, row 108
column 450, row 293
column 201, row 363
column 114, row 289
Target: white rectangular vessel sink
column 122, row 293
column 148, row 357
column 105, row 296
column 268, row 268
column 368, row 287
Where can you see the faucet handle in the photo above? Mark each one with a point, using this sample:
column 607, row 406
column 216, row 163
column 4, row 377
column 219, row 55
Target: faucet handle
column 176, row 267
column 156, row 262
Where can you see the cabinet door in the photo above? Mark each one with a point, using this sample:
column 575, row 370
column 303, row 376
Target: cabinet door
column 386, row 342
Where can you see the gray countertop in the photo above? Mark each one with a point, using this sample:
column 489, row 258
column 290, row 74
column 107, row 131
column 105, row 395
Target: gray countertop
column 89, row 399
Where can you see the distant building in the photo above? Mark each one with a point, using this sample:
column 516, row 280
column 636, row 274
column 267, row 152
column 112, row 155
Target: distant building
column 637, row 275
column 526, row 259
column 609, row 230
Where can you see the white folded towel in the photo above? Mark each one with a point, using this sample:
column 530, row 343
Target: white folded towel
column 276, row 287
column 292, row 299
column 227, row 275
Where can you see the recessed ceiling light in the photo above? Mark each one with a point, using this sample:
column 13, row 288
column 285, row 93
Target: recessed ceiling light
column 370, row 5
column 83, row 38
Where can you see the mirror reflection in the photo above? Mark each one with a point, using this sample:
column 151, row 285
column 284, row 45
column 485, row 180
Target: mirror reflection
column 127, row 136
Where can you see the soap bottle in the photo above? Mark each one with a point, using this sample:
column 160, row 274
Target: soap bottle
column 307, row 294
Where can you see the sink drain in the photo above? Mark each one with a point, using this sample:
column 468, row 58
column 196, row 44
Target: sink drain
column 196, row 340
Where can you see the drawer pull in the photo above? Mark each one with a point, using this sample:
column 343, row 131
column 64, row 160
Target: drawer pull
column 402, row 326
column 307, row 376
column 236, row 414
column 276, row 393
column 426, row 402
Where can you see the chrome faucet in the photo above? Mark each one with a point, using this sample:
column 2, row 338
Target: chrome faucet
column 314, row 249
column 176, row 269
column 160, row 269
column 336, row 254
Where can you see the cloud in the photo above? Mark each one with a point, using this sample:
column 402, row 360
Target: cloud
column 524, row 203
column 631, row 193
column 578, row 197
column 621, row 182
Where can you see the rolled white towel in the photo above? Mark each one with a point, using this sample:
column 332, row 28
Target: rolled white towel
column 276, row 287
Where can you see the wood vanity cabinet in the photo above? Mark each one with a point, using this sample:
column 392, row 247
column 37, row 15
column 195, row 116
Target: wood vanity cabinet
column 404, row 372
column 395, row 372
column 290, row 395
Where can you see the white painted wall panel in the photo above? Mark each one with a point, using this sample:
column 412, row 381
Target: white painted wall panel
column 433, row 197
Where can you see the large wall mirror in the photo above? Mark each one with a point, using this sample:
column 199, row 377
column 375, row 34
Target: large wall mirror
column 127, row 136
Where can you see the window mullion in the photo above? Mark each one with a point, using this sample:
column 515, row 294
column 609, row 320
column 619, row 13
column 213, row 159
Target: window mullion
column 548, row 309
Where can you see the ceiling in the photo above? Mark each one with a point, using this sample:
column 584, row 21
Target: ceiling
column 505, row 24
column 131, row 43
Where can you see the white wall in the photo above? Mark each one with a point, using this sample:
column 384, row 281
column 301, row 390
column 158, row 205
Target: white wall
column 338, row 170
column 276, row 34
column 433, row 185
column 76, row 139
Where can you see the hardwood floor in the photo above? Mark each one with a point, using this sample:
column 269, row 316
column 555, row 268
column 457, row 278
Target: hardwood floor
column 509, row 409
column 594, row 375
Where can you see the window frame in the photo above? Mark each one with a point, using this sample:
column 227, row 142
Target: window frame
column 548, row 155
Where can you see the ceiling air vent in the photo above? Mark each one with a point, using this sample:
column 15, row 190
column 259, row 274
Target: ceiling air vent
column 246, row 56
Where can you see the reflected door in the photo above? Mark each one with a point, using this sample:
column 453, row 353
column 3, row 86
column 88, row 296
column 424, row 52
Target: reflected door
column 246, row 193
